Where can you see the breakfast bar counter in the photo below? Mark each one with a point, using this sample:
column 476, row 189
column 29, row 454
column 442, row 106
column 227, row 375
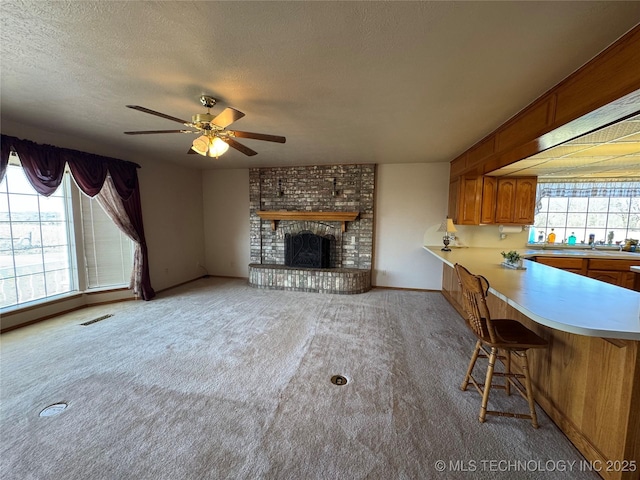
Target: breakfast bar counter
column 552, row 297
column 588, row 379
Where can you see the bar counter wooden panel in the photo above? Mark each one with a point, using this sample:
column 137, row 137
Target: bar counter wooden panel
column 589, row 386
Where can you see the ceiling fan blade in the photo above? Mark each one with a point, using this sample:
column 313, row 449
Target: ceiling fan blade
column 227, row 117
column 258, row 136
column 147, row 132
column 238, row 146
column 158, row 114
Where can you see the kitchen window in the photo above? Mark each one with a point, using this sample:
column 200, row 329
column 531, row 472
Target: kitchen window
column 608, row 210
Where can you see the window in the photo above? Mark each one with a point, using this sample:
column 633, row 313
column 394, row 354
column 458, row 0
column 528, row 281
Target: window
column 36, row 258
column 108, row 253
column 608, row 210
column 38, row 255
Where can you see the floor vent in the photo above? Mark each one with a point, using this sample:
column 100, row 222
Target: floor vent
column 338, row 380
column 96, row 319
column 53, row 410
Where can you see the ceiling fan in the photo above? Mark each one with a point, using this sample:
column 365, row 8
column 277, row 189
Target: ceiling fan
column 215, row 139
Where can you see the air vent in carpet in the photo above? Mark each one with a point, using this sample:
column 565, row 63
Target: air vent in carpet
column 338, row 380
column 96, row 319
column 53, row 410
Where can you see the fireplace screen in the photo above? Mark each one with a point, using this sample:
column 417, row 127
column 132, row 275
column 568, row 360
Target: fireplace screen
column 305, row 249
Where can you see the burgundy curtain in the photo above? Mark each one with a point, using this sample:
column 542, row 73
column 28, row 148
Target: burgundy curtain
column 5, row 151
column 89, row 172
column 44, row 167
column 126, row 215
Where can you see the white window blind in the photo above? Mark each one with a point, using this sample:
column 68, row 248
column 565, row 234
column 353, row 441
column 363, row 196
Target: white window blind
column 108, row 251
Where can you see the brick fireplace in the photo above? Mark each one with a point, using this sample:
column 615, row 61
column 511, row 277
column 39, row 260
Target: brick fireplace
column 334, row 201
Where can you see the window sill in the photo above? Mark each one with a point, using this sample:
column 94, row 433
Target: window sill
column 44, row 302
column 109, row 289
column 25, row 307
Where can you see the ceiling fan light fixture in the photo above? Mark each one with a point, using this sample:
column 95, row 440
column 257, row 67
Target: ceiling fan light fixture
column 217, row 147
column 209, row 146
column 201, row 145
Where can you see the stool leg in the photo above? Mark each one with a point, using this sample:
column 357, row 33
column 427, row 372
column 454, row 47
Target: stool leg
column 487, row 384
column 472, row 363
column 507, row 385
column 527, row 383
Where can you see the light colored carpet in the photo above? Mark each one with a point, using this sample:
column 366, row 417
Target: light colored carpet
column 219, row 380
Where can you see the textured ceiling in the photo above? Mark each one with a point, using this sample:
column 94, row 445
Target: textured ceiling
column 345, row 82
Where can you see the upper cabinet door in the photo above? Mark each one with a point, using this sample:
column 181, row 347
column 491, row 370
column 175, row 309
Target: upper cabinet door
column 489, row 191
column 506, row 200
column 525, row 204
column 470, row 200
column 516, row 200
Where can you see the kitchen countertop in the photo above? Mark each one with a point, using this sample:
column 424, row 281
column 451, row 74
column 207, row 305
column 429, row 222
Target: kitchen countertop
column 552, row 297
column 584, row 253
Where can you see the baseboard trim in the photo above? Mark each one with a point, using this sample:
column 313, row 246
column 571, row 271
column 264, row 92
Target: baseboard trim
column 404, row 289
column 64, row 312
column 228, row 276
column 199, row 278
column 41, row 319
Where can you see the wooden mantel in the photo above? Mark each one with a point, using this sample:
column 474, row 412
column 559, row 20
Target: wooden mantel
column 274, row 216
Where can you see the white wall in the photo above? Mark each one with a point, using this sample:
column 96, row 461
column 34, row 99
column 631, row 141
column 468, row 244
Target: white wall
column 479, row 236
column 172, row 212
column 226, row 222
column 409, row 199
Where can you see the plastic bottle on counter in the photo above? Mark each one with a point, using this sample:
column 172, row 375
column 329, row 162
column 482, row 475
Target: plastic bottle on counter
column 552, row 237
column 532, row 235
column 541, row 236
column 572, row 239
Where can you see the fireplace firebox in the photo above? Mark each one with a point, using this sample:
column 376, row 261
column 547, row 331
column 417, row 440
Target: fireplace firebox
column 307, row 250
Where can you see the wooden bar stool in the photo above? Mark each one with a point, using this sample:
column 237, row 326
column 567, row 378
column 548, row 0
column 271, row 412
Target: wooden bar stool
column 503, row 337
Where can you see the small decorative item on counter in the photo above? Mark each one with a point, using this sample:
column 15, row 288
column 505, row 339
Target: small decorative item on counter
column 572, row 239
column 541, row 236
column 552, row 237
column 592, row 238
column 631, row 245
column 512, row 259
column 610, row 237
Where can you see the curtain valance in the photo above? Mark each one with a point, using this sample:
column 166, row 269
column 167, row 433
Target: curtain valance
column 588, row 188
column 44, row 168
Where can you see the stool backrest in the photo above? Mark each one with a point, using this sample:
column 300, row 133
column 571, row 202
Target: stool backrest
column 474, row 292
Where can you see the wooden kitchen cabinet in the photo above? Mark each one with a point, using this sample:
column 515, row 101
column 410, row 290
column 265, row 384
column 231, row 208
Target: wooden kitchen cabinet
column 615, row 271
column 488, row 207
column 525, row 204
column 570, row 264
column 516, row 200
column 605, row 276
column 467, row 203
column 628, row 280
column 475, row 200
